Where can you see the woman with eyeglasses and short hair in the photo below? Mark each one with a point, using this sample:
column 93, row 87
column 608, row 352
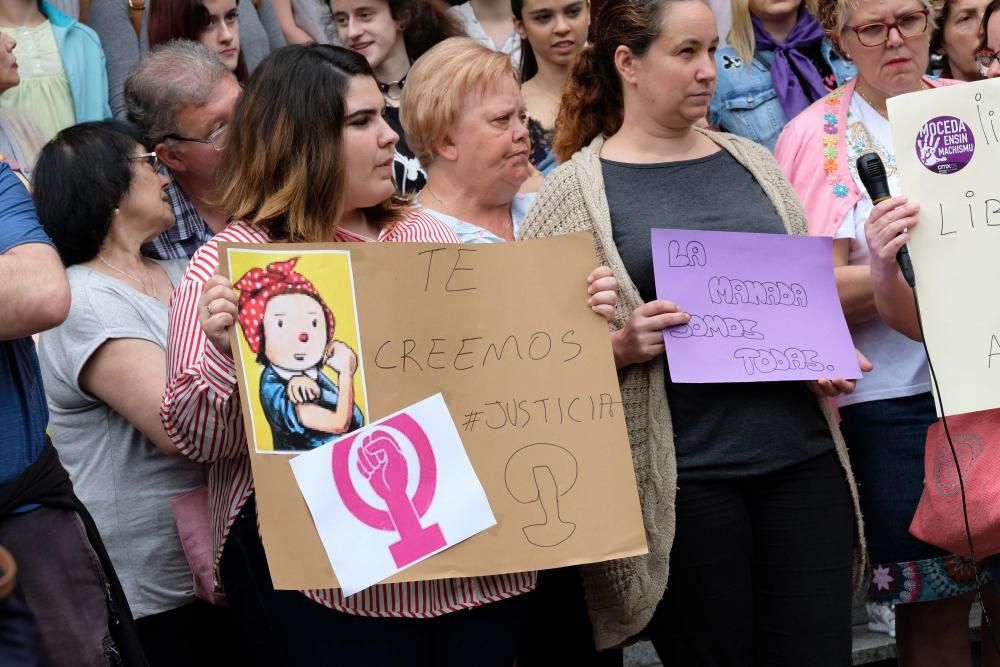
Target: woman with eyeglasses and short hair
column 885, row 420
column 104, row 370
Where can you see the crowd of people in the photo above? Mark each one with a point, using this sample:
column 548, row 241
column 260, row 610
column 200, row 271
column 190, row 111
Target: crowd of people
column 135, row 137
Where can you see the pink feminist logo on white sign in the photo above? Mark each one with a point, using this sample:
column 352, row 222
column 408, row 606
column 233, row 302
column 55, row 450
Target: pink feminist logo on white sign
column 383, row 464
column 402, row 490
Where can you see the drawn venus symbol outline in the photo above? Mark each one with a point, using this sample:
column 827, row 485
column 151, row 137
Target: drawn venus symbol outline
column 381, row 461
column 542, row 473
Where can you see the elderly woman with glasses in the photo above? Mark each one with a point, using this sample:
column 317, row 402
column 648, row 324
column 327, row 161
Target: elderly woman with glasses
column 885, row 420
column 104, row 371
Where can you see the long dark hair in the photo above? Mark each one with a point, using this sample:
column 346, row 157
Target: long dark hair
column 425, row 23
column 529, row 64
column 183, row 19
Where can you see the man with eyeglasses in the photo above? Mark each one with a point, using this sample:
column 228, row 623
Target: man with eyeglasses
column 182, row 97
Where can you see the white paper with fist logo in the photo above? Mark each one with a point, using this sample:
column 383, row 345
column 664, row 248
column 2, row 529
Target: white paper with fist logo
column 392, row 494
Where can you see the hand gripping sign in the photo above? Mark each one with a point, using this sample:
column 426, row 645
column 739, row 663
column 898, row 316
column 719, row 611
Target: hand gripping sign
column 392, row 494
column 381, row 461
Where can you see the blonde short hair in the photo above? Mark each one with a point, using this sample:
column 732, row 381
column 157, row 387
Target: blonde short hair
column 437, row 86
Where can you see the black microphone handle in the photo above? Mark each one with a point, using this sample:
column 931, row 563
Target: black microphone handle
column 903, row 259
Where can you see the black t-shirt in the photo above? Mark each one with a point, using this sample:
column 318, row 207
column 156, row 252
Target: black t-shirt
column 407, row 172
column 723, row 430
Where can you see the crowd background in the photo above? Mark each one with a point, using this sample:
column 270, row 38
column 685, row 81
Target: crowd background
column 137, row 135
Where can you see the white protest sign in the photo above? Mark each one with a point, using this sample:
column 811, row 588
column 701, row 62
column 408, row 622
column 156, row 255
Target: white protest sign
column 392, row 494
column 947, row 144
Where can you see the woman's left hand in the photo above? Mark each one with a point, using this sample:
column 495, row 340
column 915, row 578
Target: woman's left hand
column 602, row 286
column 840, row 386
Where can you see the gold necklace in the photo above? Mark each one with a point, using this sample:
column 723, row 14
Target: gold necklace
column 129, row 275
column 884, row 114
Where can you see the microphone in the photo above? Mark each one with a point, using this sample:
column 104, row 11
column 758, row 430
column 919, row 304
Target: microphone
column 871, row 171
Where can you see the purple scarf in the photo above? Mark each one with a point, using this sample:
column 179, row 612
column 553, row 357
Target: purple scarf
column 792, row 69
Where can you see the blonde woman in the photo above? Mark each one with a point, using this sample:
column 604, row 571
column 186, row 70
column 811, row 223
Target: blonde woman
column 778, row 63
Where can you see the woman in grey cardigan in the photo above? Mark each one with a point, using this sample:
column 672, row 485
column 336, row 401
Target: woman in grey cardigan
column 746, row 491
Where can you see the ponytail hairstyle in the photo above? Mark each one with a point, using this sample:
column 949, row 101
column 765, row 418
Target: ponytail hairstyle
column 425, row 23
column 529, row 64
column 592, row 102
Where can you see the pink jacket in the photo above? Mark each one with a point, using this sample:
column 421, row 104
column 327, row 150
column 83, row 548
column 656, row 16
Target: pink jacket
column 812, row 150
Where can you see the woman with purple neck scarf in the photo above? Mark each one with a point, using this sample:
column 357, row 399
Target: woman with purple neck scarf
column 777, row 63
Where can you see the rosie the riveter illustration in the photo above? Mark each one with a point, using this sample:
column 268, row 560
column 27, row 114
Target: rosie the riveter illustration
column 289, row 327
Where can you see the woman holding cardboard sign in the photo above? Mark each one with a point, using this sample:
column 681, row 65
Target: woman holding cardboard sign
column 885, row 422
column 269, row 187
column 746, row 489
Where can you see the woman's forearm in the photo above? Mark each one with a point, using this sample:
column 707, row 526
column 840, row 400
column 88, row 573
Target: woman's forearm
column 857, row 298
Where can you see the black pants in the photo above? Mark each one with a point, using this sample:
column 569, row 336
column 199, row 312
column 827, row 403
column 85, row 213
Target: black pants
column 760, row 572
column 556, row 629
column 195, row 635
column 289, row 629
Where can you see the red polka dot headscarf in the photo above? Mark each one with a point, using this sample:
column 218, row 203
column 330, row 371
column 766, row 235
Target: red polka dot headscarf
column 258, row 286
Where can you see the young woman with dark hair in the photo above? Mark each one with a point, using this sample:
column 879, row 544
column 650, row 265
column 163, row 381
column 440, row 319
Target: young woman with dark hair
column 552, row 33
column 268, row 184
column 214, row 23
column 391, row 34
column 104, row 374
column 746, row 488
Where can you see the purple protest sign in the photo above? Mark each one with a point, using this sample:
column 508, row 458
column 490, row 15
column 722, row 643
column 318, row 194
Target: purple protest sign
column 763, row 307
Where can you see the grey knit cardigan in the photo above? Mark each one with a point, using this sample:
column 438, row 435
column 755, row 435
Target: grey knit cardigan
column 622, row 594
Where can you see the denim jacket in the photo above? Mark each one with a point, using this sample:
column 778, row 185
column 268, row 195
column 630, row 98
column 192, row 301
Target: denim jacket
column 745, row 102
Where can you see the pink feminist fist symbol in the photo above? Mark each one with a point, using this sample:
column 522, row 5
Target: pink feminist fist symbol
column 382, row 463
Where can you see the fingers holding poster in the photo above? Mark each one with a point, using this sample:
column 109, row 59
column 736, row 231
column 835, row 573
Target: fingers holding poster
column 305, row 345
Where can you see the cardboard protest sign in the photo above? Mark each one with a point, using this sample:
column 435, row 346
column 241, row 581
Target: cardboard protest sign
column 763, row 307
column 392, row 494
column 947, row 145
column 504, row 333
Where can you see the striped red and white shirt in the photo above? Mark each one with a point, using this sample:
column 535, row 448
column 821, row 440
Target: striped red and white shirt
column 201, row 414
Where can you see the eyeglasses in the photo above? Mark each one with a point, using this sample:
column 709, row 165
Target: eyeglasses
column 217, row 138
column 877, row 34
column 984, row 59
column 149, row 158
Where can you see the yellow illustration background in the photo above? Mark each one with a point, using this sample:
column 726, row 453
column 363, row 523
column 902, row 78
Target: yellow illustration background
column 330, row 272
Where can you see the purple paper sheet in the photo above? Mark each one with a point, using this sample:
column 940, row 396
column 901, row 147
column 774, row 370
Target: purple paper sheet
column 763, row 307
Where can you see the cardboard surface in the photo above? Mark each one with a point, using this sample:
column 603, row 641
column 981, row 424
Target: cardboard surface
column 947, row 143
column 526, row 369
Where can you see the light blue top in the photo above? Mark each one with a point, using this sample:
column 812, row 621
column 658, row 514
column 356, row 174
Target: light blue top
column 745, row 102
column 470, row 233
column 83, row 61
